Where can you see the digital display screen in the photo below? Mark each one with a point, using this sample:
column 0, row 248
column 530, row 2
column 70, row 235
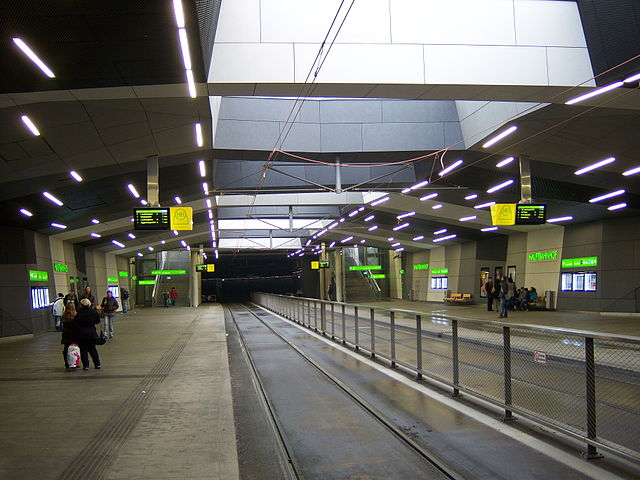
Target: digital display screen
column 151, row 219
column 439, row 283
column 531, row 214
column 578, row 282
column 567, row 282
column 39, row 297
column 590, row 281
column 115, row 291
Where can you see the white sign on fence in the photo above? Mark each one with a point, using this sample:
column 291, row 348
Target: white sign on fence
column 539, row 357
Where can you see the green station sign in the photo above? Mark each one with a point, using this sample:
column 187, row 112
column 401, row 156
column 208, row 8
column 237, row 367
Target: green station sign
column 112, row 279
column 147, row 282
column 324, row 264
column 168, row 272
column 60, row 267
column 439, row 271
column 38, row 276
column 123, row 274
column 421, row 266
column 379, row 275
column 548, row 255
column 579, row 262
column 357, row 268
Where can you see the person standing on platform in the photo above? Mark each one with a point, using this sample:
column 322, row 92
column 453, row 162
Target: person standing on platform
column 504, row 299
column 174, row 294
column 165, row 298
column 71, row 297
column 488, row 288
column 86, row 321
column 109, row 306
column 69, row 334
column 124, row 295
column 88, row 295
column 57, row 309
column 511, row 294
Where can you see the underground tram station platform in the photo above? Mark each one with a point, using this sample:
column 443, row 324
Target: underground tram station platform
column 277, row 239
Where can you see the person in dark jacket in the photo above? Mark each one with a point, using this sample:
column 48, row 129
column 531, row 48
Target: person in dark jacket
column 71, row 297
column 488, row 288
column 109, row 306
column 88, row 295
column 86, row 321
column 504, row 297
column 68, row 330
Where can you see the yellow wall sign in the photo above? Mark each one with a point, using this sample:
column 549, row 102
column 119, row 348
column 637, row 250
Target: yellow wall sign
column 503, row 214
column 181, row 218
column 211, row 267
column 315, row 265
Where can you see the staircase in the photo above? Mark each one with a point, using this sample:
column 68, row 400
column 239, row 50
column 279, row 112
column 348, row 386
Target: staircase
column 172, row 260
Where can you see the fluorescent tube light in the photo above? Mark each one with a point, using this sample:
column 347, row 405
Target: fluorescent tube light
column 633, row 171
column 418, row 238
column 307, row 244
column 33, row 57
column 372, row 228
column 191, row 84
column 332, row 244
column 133, row 190
column 466, row 219
column 504, row 162
column 418, row 185
column 440, row 232
column 95, row 220
column 95, row 235
column 390, row 239
column 184, row 46
column 617, row 206
column 208, row 202
column 482, row 205
column 632, row 78
column 183, row 243
column 150, row 249
column 442, row 239
column 354, row 213
column 406, row 190
column 437, row 206
column 216, row 254
column 405, row 215
column 210, row 213
column 369, row 218
column 342, row 220
column 379, row 201
column 500, row 136
column 455, row 164
column 162, row 242
column 428, row 197
column 606, row 195
column 26, row 212
column 593, row 93
column 117, row 243
column 361, row 209
column 177, row 200
column 401, row 249
column 76, row 176
column 131, row 236
column 395, row 244
column 599, row 164
column 175, row 232
column 500, row 186
column 53, row 199
column 401, row 226
column 559, row 219
column 488, row 229
column 199, row 140
column 179, row 13
column 345, row 240
column 143, row 202
column 363, row 241
column 332, row 226
column 473, row 196
column 202, row 168
column 30, row 125
column 139, row 254
column 205, row 188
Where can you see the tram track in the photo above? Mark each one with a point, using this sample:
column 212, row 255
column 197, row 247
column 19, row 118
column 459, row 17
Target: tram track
column 295, row 466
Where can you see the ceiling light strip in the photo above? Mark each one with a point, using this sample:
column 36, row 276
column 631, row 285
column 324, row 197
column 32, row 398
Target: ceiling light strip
column 504, row 162
column 30, row 125
column 500, row 136
column 599, row 164
column 33, row 57
column 454, row 165
column 593, row 93
column 199, row 139
column 607, row 195
column 442, row 239
column 500, row 186
column 53, row 199
column 559, row 219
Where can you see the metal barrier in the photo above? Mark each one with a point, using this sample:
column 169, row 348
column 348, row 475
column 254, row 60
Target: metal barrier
column 584, row 384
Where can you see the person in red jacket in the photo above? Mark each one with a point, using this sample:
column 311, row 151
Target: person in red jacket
column 173, row 294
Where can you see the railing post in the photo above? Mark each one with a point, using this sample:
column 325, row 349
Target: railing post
column 333, row 321
column 315, row 316
column 344, row 326
column 392, row 323
column 419, row 347
column 590, row 380
column 506, row 349
column 456, row 362
column 372, row 330
column 356, row 333
column 323, row 318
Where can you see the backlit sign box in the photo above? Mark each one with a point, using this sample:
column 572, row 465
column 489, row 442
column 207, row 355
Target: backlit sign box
column 38, row 276
column 579, row 262
column 421, row 266
column 324, row 264
column 123, row 274
column 549, row 255
column 60, row 267
column 527, row 214
column 440, row 271
column 201, row 267
column 356, row 268
column 315, row 265
column 155, row 218
column 168, row 272
column 112, row 279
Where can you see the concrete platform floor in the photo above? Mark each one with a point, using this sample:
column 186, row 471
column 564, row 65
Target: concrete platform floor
column 617, row 323
column 160, row 407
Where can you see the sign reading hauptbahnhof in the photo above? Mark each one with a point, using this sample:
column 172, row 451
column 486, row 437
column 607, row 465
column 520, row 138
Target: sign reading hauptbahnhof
column 163, row 218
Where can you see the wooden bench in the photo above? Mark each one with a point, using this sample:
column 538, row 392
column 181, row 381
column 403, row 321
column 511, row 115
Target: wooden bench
column 459, row 299
column 540, row 304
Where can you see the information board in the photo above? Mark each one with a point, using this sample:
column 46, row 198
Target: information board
column 503, row 214
column 155, row 218
column 531, row 214
column 181, row 218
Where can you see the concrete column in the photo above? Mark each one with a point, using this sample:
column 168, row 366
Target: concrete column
column 194, row 284
column 324, row 281
column 339, row 272
column 153, row 189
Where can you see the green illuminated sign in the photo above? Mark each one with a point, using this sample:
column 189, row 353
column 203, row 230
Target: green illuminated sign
column 147, row 282
column 439, row 271
column 123, row 274
column 550, row 255
column 38, row 276
column 168, row 272
column 579, row 262
column 324, row 264
column 134, row 277
column 379, row 275
column 356, row 268
column 112, row 279
column 421, row 266
column 60, row 267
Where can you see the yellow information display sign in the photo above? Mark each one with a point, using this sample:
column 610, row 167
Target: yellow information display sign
column 315, row 265
column 211, row 267
column 503, row 214
column 181, row 218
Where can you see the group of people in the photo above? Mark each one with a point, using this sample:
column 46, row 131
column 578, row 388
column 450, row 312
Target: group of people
column 509, row 297
column 169, row 297
column 77, row 318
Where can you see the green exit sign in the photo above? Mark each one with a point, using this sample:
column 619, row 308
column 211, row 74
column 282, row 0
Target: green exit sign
column 440, row 271
column 60, row 267
column 38, row 276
